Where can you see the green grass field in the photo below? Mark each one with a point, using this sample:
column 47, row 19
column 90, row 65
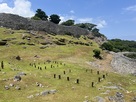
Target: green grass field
column 67, row 60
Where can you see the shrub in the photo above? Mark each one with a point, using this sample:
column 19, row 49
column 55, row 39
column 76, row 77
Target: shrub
column 35, row 18
column 96, row 53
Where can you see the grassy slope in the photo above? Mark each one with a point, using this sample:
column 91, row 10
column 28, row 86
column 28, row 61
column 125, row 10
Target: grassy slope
column 73, row 56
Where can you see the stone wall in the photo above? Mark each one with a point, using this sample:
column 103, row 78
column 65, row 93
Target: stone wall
column 18, row 22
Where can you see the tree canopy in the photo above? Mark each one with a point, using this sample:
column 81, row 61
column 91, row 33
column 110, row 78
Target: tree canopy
column 40, row 15
column 107, row 46
column 88, row 26
column 55, row 18
column 68, row 23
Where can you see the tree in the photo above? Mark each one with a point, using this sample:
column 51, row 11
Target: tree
column 96, row 33
column 107, row 46
column 68, row 23
column 40, row 15
column 88, row 26
column 95, row 30
column 55, row 18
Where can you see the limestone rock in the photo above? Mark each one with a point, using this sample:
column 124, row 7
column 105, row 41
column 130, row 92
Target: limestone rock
column 6, row 87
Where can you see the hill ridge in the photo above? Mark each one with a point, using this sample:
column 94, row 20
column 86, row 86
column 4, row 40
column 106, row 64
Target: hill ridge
column 17, row 22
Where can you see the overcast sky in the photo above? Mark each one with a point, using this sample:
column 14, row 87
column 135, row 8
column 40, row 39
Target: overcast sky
column 114, row 18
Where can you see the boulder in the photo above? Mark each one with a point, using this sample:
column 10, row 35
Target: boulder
column 17, row 78
column 134, row 99
column 7, row 87
column 43, row 47
column 21, row 43
column 120, row 95
column 18, row 88
column 36, row 56
column 31, row 96
column 18, row 57
column 44, row 93
column 52, row 91
column 46, row 43
column 59, row 43
column 21, row 74
column 100, row 99
column 11, row 85
column 2, row 43
column 31, row 44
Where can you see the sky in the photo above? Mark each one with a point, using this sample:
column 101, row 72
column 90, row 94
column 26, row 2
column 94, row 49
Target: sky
column 114, row 18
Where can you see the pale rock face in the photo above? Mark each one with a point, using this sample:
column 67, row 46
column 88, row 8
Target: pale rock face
column 123, row 64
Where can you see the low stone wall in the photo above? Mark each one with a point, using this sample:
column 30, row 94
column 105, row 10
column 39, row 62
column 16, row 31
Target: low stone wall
column 123, row 64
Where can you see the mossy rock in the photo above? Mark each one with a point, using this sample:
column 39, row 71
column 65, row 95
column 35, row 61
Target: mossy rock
column 21, row 43
column 59, row 43
column 31, row 44
column 46, row 43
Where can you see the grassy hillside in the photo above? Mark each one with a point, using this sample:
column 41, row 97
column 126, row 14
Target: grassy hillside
column 44, row 58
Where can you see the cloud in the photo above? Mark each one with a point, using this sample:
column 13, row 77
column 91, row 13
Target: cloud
column 21, row 7
column 84, row 20
column 72, row 11
column 98, row 22
column 131, row 8
column 101, row 24
column 66, row 17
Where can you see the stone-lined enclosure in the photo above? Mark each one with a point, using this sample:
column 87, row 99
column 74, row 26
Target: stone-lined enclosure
column 66, row 73
column 56, row 71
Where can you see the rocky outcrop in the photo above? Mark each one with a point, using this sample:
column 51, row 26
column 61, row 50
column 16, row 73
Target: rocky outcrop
column 99, row 39
column 123, row 64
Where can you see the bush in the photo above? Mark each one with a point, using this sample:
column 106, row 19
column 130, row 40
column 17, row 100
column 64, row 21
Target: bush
column 35, row 18
column 55, row 18
column 68, row 23
column 97, row 53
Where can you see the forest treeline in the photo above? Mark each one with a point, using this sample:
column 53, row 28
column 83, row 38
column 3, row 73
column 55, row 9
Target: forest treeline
column 118, row 45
